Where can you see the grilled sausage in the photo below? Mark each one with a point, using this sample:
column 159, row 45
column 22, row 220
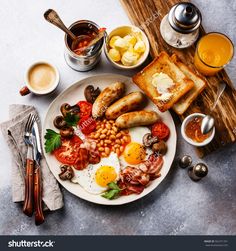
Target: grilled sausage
column 128, row 103
column 137, row 118
column 109, row 95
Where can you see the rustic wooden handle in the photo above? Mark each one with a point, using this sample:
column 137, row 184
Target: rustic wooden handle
column 39, row 217
column 29, row 181
column 24, row 91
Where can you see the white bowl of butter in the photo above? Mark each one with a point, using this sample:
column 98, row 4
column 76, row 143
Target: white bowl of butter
column 41, row 78
column 127, row 47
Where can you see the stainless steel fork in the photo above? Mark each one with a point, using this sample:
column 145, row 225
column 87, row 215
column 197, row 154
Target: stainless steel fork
column 29, row 170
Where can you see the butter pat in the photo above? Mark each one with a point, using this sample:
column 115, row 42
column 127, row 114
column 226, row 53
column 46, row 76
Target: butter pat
column 127, row 50
column 129, row 58
column 165, row 97
column 121, row 43
column 131, row 40
column 162, row 82
column 139, row 47
column 112, row 41
column 114, row 55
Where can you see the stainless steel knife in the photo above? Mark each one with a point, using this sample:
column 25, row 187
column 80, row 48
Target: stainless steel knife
column 39, row 217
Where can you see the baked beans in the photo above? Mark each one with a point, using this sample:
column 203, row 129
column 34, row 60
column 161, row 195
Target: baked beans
column 109, row 137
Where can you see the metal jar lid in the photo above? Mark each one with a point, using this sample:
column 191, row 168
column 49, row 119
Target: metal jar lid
column 184, row 17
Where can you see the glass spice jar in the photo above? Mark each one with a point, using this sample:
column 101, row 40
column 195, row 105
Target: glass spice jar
column 180, row 27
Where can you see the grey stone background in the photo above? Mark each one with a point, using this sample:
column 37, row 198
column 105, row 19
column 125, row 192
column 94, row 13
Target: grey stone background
column 178, row 206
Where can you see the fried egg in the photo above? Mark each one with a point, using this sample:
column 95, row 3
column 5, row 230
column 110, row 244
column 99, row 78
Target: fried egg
column 95, row 178
column 135, row 152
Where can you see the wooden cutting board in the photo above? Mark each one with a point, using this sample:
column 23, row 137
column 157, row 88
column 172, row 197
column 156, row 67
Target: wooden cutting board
column 147, row 15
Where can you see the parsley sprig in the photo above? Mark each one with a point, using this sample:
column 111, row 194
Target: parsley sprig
column 113, row 191
column 71, row 119
column 53, row 140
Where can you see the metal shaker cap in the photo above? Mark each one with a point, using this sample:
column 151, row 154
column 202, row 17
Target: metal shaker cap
column 198, row 171
column 184, row 17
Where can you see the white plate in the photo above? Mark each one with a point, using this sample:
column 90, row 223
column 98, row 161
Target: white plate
column 75, row 93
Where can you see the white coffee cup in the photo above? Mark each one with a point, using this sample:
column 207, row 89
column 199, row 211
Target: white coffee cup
column 41, row 78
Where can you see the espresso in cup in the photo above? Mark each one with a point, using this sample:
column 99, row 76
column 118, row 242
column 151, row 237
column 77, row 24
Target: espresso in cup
column 41, row 78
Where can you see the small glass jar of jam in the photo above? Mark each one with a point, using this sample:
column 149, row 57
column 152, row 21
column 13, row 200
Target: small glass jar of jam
column 191, row 130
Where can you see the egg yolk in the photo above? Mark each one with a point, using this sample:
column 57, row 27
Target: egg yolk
column 134, row 153
column 105, row 175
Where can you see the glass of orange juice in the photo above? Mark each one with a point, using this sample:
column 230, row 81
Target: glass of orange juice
column 214, row 51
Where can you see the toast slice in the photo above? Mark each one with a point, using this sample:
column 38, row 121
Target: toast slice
column 180, row 83
column 199, row 85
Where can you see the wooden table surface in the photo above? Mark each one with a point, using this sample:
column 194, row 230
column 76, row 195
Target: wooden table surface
column 148, row 15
